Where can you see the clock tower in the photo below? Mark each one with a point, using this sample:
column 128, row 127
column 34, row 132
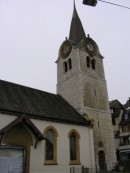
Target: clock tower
column 81, row 81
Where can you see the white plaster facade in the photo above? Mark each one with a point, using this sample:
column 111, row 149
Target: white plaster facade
column 37, row 156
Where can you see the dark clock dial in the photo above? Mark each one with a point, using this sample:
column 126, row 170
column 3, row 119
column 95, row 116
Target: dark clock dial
column 66, row 49
column 90, row 46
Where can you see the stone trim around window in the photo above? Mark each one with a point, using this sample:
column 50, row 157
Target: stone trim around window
column 54, row 161
column 77, row 161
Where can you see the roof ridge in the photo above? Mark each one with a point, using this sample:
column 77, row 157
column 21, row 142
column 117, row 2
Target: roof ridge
column 17, row 99
column 16, row 84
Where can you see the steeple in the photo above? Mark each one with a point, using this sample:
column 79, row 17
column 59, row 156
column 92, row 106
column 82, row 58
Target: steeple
column 76, row 30
column 81, row 81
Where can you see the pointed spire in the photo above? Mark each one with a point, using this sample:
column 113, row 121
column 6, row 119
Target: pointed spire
column 76, row 30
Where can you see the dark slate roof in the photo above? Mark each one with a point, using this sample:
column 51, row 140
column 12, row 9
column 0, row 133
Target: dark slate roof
column 127, row 105
column 17, row 99
column 117, row 107
column 124, row 120
column 76, row 30
column 115, row 103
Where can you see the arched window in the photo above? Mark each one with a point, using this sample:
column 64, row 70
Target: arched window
column 70, row 63
column 51, row 145
column 88, row 61
column 73, row 154
column 102, row 161
column 65, row 66
column 74, row 147
column 93, row 63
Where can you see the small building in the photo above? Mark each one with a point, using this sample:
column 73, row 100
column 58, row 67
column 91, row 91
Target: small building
column 124, row 147
column 124, row 125
column 117, row 110
column 121, row 129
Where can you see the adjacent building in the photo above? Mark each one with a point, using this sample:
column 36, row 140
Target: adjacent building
column 121, row 124
column 117, row 110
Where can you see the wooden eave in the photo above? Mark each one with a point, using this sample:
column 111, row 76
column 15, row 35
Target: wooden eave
column 23, row 119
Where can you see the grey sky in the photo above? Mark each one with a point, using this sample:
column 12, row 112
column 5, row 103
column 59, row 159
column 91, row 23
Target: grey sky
column 31, row 32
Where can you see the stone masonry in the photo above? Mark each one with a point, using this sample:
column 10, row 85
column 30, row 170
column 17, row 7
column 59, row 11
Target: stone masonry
column 86, row 90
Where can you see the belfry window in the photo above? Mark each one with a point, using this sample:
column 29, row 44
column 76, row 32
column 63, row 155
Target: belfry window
column 70, row 63
column 93, row 64
column 88, row 61
column 65, row 66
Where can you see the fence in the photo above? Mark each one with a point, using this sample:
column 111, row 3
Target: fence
column 81, row 169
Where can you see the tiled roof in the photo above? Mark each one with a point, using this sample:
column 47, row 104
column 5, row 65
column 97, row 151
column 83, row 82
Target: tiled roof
column 18, row 99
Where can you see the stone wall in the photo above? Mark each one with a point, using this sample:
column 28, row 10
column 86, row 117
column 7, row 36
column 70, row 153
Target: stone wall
column 86, row 90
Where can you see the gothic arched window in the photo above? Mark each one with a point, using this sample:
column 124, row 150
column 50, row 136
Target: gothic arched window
column 51, row 145
column 74, row 147
column 88, row 61
column 70, row 63
column 93, row 62
column 65, row 66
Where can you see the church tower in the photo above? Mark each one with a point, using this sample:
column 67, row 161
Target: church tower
column 81, row 81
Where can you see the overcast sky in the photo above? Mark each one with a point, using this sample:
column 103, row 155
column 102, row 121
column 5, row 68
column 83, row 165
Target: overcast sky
column 31, row 32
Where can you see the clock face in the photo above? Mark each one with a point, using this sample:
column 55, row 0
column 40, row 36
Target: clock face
column 89, row 46
column 66, row 49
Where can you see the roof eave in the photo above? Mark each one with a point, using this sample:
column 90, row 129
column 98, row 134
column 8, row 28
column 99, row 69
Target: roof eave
column 87, row 123
column 23, row 119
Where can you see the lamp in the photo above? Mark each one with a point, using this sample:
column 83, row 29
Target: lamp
column 90, row 2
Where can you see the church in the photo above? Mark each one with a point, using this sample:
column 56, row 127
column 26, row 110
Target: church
column 63, row 132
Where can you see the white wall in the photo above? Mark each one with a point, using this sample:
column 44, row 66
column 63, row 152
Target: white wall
column 37, row 155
